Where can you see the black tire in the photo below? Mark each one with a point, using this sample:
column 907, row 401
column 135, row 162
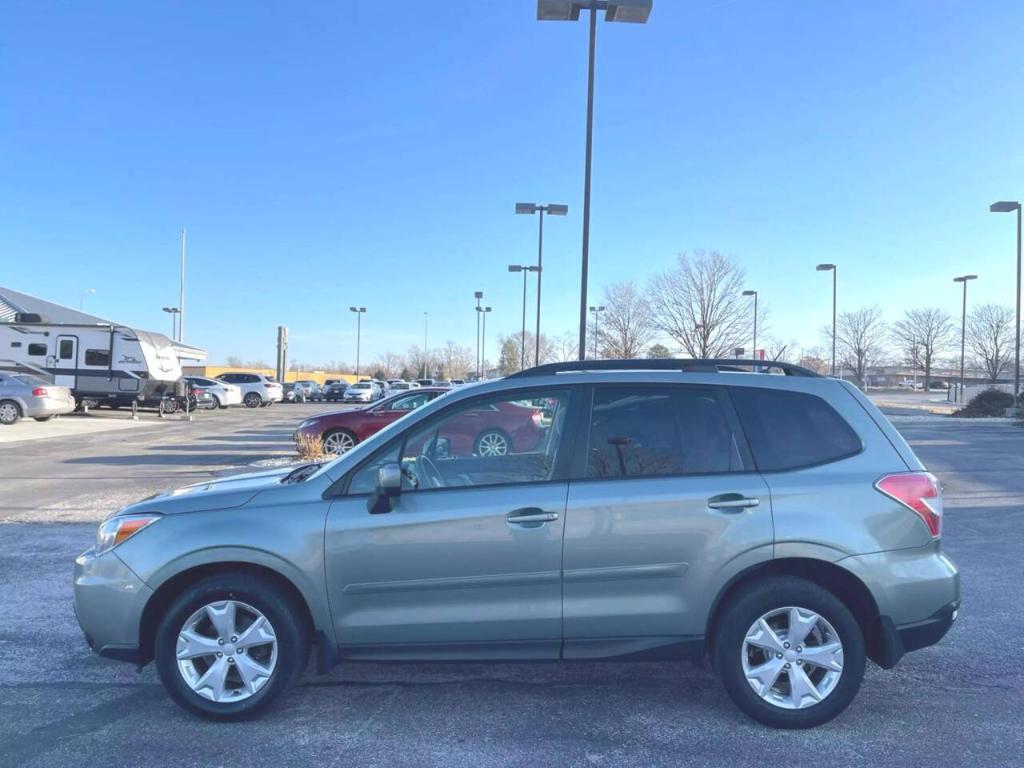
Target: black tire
column 10, row 412
column 170, row 405
column 760, row 598
column 44, row 418
column 276, row 604
column 252, row 400
column 217, row 403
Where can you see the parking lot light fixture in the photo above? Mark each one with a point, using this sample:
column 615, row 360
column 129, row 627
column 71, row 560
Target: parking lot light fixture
column 359, row 333
column 478, row 295
column 963, row 328
column 1009, row 206
column 754, row 294
column 173, row 312
column 555, row 209
column 525, row 269
column 832, row 268
column 629, row 11
column 483, row 340
column 597, row 310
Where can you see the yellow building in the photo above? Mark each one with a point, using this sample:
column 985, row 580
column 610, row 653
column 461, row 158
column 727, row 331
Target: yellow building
column 213, row 371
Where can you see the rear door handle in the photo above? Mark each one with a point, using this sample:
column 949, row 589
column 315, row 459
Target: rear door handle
column 531, row 515
column 733, row 502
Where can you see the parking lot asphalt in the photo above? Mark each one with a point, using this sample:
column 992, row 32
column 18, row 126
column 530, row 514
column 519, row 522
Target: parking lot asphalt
column 958, row 703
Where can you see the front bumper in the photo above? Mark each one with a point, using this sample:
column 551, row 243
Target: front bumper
column 109, row 599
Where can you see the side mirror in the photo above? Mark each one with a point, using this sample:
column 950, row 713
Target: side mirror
column 389, row 487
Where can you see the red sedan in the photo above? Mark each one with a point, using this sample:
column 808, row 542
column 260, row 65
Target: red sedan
column 486, row 430
column 343, row 430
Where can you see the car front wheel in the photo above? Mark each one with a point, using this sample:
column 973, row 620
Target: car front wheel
column 230, row 645
column 789, row 653
column 338, row 442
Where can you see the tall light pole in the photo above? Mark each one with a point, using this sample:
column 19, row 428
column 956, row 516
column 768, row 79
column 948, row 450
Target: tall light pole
column 555, row 209
column 173, row 312
column 963, row 328
column 597, row 313
column 359, row 333
column 423, row 373
column 632, row 11
column 483, row 340
column 81, row 298
column 181, row 290
column 1008, row 206
column 754, row 294
column 478, row 295
column 525, row 269
column 832, row 268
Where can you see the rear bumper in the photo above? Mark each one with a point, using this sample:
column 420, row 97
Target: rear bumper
column 48, row 406
column 895, row 641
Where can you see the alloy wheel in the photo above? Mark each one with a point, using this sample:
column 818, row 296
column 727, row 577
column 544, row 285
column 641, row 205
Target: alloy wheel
column 8, row 413
column 792, row 657
column 339, row 443
column 226, row 651
column 492, row 444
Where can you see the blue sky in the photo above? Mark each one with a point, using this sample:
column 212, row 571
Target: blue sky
column 323, row 154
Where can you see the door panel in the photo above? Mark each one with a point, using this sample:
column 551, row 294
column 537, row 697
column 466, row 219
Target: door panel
column 646, row 556
column 66, row 361
column 447, row 566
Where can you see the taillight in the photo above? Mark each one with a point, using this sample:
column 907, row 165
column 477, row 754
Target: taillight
column 40, row 392
column 197, row 392
column 920, row 492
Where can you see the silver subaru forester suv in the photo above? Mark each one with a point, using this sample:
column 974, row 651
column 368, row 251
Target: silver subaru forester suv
column 636, row 509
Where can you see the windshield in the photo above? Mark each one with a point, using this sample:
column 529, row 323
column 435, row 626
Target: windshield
column 362, row 385
column 30, row 380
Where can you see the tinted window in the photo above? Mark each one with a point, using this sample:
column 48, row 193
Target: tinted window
column 409, row 402
column 97, row 357
column 662, row 430
column 67, row 349
column 37, row 350
column 792, row 429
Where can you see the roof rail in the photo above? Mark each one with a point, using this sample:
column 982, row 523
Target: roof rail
column 717, row 365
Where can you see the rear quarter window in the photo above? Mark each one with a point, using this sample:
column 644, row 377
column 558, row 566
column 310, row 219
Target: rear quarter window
column 789, row 430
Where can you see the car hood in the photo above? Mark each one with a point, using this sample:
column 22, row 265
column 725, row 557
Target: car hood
column 222, row 493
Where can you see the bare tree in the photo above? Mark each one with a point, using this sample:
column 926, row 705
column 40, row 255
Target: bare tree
column 699, row 305
column 391, row 364
column 922, row 335
column 510, row 354
column 566, row 348
column 990, row 338
column 455, row 360
column 626, row 327
column 860, row 338
column 815, row 359
column 421, row 361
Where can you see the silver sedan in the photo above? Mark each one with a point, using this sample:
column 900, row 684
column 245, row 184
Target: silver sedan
column 28, row 396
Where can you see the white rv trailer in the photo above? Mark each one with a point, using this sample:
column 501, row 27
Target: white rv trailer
column 101, row 361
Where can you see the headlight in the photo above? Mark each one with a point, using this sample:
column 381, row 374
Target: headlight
column 117, row 529
column 306, row 423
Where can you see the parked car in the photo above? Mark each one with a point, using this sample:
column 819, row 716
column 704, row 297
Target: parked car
column 425, row 382
column 223, row 393
column 363, row 392
column 779, row 524
column 335, row 391
column 257, row 390
column 23, row 395
column 401, row 386
column 341, row 431
column 312, row 391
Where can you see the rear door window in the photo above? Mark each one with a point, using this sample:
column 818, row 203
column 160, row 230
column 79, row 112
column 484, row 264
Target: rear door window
column 788, row 430
column 638, row 431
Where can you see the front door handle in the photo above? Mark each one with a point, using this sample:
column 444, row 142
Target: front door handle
column 531, row 515
column 733, row 502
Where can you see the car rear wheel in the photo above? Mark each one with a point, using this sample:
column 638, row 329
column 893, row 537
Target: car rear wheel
column 339, row 441
column 10, row 412
column 230, row 645
column 493, row 442
column 252, row 400
column 789, row 653
column 43, row 418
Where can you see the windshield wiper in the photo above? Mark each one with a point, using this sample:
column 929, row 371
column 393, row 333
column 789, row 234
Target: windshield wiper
column 299, row 474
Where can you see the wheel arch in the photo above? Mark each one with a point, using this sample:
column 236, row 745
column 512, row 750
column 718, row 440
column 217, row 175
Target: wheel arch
column 846, row 586
column 165, row 594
